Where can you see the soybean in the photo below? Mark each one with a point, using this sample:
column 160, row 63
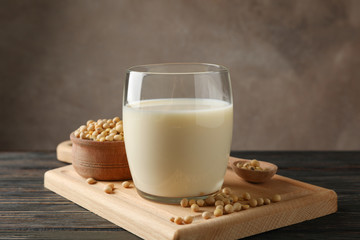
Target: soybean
column 108, row 189
column 178, row 220
column 218, row 202
column 195, row 207
column 253, row 202
column 210, row 201
column 246, row 196
column 237, row 207
column 206, row 215
column 260, row 201
column 218, row 212
column 192, row 201
column 229, row 208
column 276, row 198
column 101, row 130
column 91, row 181
column 200, row 202
column 126, row 184
column 226, row 190
column 184, row 202
column 188, row 219
column 219, row 207
column 267, row 201
column 245, row 207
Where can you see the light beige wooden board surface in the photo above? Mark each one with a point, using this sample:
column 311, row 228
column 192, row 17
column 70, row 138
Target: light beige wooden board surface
column 64, row 151
column 150, row 220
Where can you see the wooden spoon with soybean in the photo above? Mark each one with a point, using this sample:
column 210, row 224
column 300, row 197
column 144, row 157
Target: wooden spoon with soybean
column 253, row 176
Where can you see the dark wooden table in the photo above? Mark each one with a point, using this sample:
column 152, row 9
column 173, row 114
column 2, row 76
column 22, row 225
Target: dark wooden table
column 28, row 210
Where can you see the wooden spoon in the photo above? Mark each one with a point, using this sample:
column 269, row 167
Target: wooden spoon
column 252, row 175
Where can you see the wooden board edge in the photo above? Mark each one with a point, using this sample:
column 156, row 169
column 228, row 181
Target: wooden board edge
column 232, row 228
column 118, row 218
column 64, row 151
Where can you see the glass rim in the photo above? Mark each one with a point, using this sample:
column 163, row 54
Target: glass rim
column 136, row 68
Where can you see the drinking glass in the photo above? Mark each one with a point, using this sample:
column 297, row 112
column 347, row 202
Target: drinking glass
column 178, row 120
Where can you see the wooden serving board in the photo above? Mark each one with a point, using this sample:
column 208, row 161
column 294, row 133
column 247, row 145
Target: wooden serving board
column 150, row 220
column 64, row 151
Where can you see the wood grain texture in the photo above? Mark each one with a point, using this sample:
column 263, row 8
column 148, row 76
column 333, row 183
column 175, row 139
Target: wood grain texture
column 100, row 160
column 29, row 211
column 300, row 202
column 64, row 151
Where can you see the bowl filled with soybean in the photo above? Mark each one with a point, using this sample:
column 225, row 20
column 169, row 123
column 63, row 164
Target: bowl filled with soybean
column 98, row 150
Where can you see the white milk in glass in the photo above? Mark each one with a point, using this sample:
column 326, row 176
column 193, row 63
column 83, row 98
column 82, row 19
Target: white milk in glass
column 178, row 147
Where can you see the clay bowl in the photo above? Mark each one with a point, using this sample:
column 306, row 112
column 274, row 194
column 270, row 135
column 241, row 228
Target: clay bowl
column 100, row 160
column 251, row 175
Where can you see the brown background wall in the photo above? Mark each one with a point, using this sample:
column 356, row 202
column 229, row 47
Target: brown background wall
column 294, row 65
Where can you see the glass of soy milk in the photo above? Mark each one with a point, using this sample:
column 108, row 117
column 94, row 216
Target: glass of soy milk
column 178, row 121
